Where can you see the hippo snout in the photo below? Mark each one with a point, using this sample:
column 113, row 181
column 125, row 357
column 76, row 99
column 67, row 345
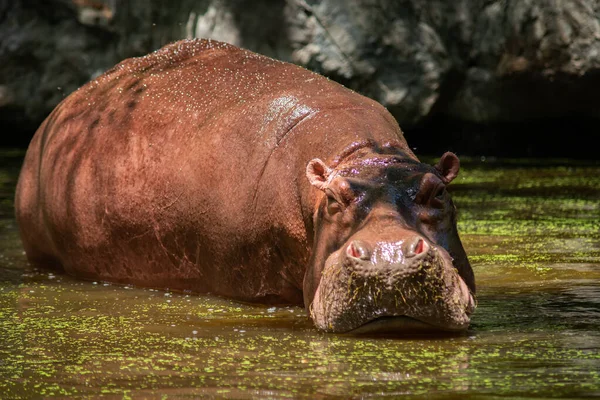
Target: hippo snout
column 409, row 277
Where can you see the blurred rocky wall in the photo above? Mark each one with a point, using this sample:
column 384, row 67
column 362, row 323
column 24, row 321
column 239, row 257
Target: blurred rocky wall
column 475, row 61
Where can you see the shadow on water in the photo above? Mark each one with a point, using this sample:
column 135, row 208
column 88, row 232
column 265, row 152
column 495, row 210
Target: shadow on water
column 532, row 230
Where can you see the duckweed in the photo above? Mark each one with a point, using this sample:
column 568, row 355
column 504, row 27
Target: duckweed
column 531, row 231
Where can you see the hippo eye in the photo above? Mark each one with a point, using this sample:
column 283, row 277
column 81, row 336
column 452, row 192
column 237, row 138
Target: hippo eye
column 437, row 200
column 333, row 205
column 439, row 194
column 432, row 192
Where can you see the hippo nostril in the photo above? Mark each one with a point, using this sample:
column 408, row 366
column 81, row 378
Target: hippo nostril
column 357, row 249
column 416, row 246
column 419, row 248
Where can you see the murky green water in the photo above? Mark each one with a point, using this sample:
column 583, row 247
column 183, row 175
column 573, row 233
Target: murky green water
column 532, row 230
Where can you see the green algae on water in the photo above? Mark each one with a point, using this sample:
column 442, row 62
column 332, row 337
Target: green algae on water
column 531, row 231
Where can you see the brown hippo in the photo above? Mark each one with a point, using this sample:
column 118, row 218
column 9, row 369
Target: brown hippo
column 187, row 169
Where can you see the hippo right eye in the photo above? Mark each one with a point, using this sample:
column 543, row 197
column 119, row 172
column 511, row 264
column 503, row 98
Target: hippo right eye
column 333, row 206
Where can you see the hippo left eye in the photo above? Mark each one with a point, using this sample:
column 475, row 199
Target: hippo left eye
column 432, row 192
column 438, row 198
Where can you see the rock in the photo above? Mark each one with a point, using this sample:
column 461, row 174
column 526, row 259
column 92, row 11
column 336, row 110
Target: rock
column 479, row 61
column 531, row 60
column 45, row 54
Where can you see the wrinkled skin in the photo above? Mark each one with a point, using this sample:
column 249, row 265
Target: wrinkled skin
column 207, row 168
column 391, row 242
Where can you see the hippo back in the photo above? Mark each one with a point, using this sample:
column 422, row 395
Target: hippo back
column 185, row 169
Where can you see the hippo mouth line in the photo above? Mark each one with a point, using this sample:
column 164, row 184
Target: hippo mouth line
column 403, row 324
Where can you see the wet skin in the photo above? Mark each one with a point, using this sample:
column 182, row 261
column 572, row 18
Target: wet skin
column 390, row 243
column 187, row 169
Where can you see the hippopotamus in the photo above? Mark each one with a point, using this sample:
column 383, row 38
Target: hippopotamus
column 207, row 168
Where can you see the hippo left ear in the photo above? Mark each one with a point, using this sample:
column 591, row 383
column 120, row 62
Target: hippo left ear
column 317, row 173
column 448, row 166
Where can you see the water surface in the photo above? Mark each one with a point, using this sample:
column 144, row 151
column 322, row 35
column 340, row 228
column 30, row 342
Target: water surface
column 531, row 229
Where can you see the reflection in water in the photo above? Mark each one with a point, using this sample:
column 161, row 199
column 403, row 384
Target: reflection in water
column 532, row 233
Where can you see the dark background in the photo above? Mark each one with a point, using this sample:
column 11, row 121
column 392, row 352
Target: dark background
column 479, row 77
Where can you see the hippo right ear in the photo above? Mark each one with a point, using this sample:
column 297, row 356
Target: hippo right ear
column 317, row 173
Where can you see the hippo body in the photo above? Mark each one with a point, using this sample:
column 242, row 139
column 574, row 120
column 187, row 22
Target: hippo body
column 187, row 169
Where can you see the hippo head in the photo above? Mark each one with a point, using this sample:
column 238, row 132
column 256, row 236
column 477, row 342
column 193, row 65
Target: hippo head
column 387, row 256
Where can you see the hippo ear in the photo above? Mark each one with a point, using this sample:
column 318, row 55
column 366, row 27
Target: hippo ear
column 317, row 173
column 448, row 167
